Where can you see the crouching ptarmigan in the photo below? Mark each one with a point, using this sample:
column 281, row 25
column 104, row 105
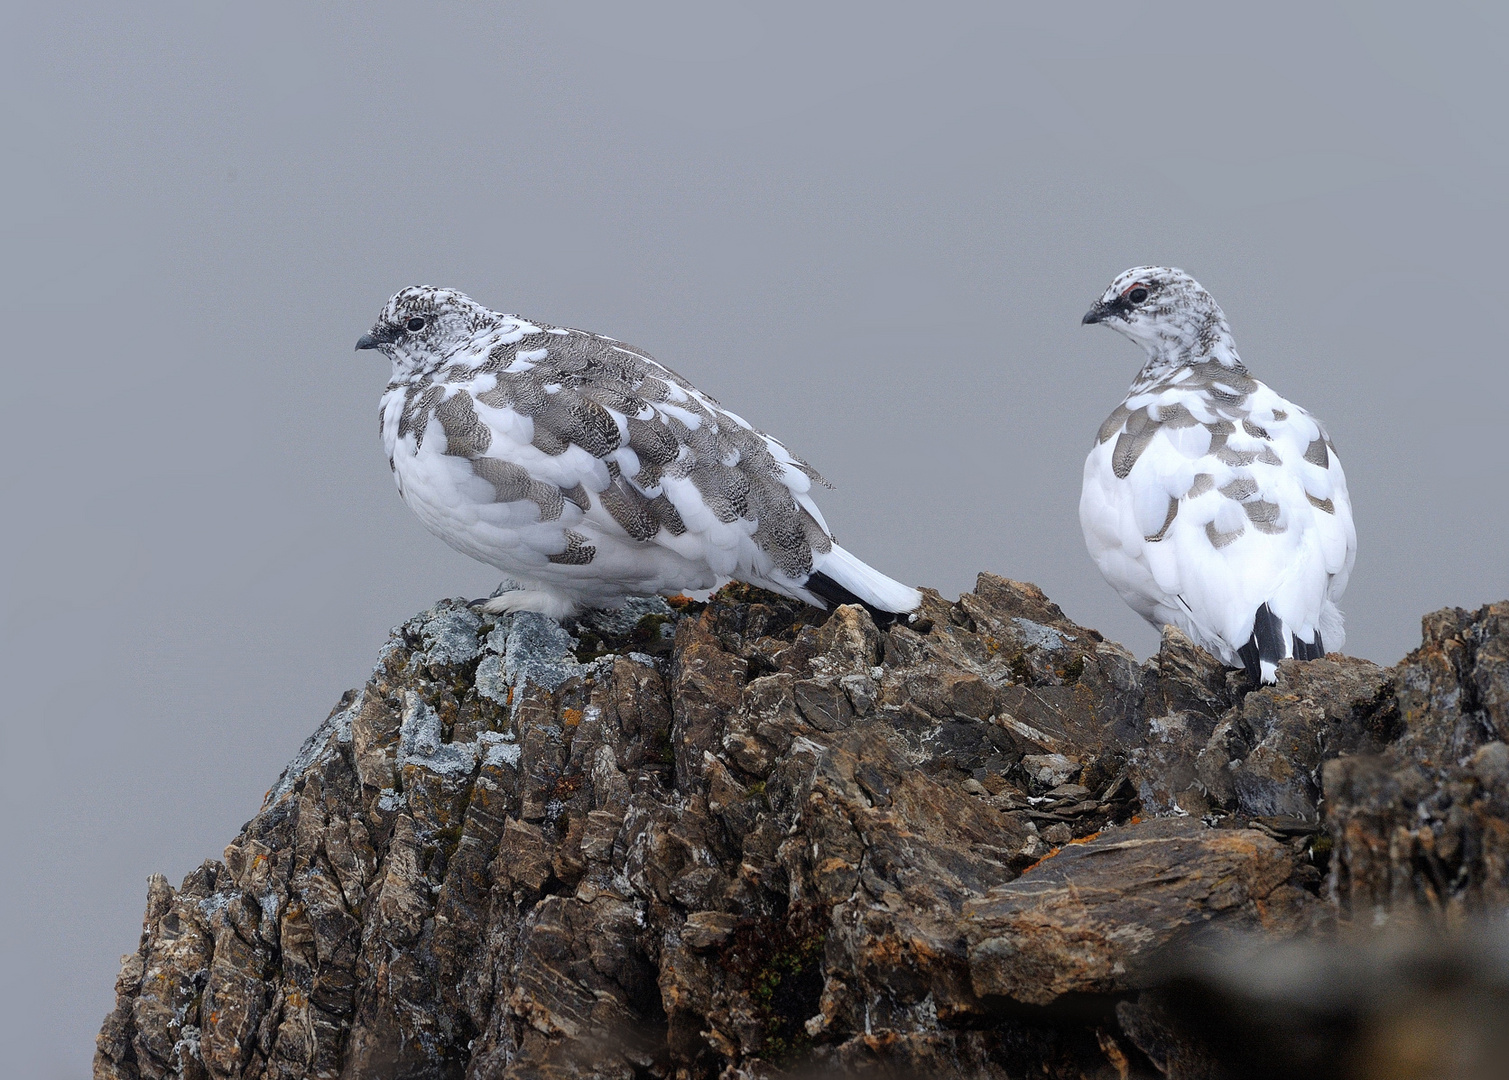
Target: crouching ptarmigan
column 1209, row 502
column 588, row 472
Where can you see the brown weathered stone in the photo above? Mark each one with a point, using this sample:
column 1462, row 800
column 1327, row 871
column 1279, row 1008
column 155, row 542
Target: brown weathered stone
column 1264, row 759
column 1088, row 918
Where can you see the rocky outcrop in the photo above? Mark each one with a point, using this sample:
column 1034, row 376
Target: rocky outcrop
column 752, row 839
column 1423, row 828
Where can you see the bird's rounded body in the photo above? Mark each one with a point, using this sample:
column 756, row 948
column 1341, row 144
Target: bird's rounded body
column 588, row 472
column 1212, row 504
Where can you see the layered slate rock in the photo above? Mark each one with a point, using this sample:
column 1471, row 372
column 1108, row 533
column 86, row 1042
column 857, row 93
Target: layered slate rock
column 1089, row 920
column 749, row 838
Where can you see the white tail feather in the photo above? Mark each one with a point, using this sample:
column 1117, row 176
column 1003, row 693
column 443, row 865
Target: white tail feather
column 866, row 582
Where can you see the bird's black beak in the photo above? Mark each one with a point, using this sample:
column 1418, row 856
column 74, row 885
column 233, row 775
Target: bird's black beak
column 1103, row 310
column 367, row 341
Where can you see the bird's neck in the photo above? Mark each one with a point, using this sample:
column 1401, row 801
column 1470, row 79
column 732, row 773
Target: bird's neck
column 1182, row 347
column 416, row 372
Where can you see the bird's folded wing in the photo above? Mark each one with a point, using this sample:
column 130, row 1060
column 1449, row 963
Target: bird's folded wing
column 640, row 452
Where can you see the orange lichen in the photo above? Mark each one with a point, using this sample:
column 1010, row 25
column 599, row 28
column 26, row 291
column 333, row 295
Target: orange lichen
column 1051, row 852
column 1054, row 851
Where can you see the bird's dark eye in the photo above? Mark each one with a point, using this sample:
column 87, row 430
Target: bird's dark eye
column 416, row 324
column 1136, row 296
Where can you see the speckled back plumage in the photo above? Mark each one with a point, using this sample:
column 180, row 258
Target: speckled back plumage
column 587, row 471
column 1209, row 502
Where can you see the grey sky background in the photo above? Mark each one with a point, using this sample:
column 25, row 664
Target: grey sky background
column 871, row 230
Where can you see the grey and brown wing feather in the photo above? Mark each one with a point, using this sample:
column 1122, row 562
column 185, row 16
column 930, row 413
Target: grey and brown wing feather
column 574, row 386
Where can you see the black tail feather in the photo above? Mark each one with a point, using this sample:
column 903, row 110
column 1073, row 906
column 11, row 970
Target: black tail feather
column 1308, row 651
column 832, row 593
column 1266, row 643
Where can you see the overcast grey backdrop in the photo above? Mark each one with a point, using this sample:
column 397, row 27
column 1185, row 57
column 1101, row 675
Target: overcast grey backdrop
column 871, row 230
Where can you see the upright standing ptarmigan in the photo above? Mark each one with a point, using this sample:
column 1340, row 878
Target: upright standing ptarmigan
column 1209, row 502
column 589, row 473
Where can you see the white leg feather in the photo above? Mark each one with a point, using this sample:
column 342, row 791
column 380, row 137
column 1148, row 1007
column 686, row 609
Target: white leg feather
column 547, row 602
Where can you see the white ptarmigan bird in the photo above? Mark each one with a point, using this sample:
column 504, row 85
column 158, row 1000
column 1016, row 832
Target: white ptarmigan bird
column 589, row 473
column 1209, row 502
